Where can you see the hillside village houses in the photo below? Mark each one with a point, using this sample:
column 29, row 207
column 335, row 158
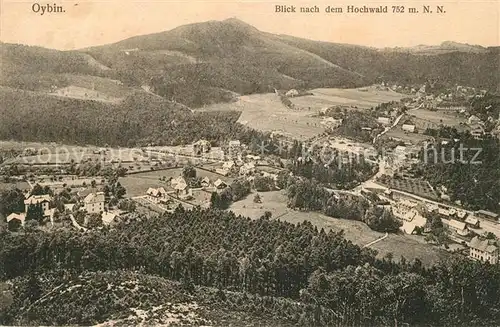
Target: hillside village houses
column 483, row 250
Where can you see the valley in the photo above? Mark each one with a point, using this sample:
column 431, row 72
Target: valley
column 219, row 175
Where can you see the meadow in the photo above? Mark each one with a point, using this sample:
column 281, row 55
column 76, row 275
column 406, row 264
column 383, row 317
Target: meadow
column 366, row 99
column 398, row 245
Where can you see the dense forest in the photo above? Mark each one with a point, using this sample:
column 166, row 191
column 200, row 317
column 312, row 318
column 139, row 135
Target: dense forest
column 336, row 282
column 140, row 119
column 471, row 175
column 309, row 195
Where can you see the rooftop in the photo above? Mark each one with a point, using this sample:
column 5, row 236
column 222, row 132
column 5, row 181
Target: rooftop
column 482, row 245
column 94, row 197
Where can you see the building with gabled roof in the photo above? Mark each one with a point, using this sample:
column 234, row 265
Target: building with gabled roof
column 409, row 128
column 220, row 184
column 472, row 222
column 486, row 215
column 384, row 120
column 205, row 182
column 156, row 194
column 17, row 216
column 94, row 202
column 456, row 226
column 483, row 250
column 43, row 200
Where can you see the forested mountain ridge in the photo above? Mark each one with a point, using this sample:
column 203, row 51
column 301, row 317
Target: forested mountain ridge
column 194, row 65
column 231, row 56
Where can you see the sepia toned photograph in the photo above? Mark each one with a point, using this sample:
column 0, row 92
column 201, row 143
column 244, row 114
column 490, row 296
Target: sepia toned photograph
column 249, row 163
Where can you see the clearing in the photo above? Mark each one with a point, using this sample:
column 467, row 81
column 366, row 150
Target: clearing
column 265, row 112
column 363, row 98
column 357, row 232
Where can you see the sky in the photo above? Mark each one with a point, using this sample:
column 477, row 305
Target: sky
column 94, row 22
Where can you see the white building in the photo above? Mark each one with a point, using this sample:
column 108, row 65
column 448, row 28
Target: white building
column 409, row 128
column 94, row 202
column 292, row 93
column 482, row 250
column 456, row 226
column 17, row 216
column 472, row 120
column 220, row 184
column 384, row 120
column 156, row 194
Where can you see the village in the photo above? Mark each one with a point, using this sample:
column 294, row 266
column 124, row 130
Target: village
column 158, row 179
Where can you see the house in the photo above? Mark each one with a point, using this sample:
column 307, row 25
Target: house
column 292, row 93
column 222, row 172
column 205, row 182
column 247, row 169
column 477, row 131
column 409, row 227
column 228, row 165
column 472, row 222
column 486, row 215
column 384, row 120
column 43, row 200
column 409, row 128
column 94, row 202
column 108, row 218
column 483, row 250
column 200, row 147
column 461, row 214
column 220, row 184
column 186, row 194
column 177, row 180
column 456, row 226
column 156, row 194
column 431, row 207
column 472, row 120
column 444, row 213
column 179, row 185
column 17, row 216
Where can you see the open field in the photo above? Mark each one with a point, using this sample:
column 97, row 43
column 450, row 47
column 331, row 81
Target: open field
column 265, row 112
column 137, row 184
column 9, row 186
column 438, row 117
column 410, row 247
column 350, row 97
